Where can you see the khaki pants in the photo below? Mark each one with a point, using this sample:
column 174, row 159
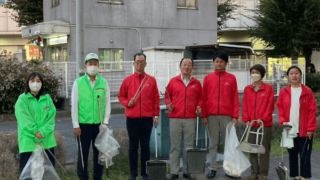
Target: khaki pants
column 216, row 124
column 181, row 128
column 263, row 168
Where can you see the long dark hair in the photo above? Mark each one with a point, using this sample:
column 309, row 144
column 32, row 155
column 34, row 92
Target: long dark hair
column 30, row 77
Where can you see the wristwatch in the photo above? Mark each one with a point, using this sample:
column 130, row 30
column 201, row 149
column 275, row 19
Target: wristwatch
column 156, row 116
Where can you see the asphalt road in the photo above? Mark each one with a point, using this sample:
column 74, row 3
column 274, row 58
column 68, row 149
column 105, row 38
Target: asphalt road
column 64, row 126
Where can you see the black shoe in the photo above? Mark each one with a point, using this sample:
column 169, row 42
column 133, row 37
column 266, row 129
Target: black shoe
column 211, row 174
column 173, row 176
column 189, row 176
column 145, row 178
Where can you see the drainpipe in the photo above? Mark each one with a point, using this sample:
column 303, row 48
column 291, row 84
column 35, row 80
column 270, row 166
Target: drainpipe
column 79, row 38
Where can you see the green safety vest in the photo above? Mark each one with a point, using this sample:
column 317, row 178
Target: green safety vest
column 88, row 106
column 32, row 116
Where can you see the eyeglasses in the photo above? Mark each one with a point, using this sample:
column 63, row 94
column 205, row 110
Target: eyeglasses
column 140, row 62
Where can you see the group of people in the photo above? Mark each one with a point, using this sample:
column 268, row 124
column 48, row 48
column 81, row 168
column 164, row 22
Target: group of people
column 216, row 101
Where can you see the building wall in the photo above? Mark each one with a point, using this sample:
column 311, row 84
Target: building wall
column 10, row 33
column 156, row 21
column 315, row 59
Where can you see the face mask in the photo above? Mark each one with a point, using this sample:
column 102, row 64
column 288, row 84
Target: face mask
column 255, row 77
column 35, row 87
column 92, row 70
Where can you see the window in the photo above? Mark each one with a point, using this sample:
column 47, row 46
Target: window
column 111, row 59
column 188, row 4
column 55, row 3
column 58, row 53
column 111, row 1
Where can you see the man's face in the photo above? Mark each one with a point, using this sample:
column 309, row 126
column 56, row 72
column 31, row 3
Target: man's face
column 294, row 76
column 92, row 62
column 139, row 63
column 219, row 64
column 186, row 67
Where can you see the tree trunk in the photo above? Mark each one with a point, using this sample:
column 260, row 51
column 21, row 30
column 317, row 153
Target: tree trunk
column 307, row 52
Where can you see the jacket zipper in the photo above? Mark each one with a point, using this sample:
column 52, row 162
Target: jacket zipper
column 140, row 95
column 219, row 94
column 185, row 103
column 255, row 110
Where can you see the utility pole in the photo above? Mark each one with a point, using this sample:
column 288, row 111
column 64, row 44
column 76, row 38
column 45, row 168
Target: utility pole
column 79, row 38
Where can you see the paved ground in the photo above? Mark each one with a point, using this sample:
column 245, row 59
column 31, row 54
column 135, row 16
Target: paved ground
column 315, row 165
column 64, row 126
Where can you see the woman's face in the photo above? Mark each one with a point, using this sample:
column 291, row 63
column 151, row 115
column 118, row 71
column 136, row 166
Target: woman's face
column 294, row 76
column 36, row 79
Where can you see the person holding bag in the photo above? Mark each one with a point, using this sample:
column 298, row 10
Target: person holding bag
column 35, row 113
column 258, row 104
column 296, row 104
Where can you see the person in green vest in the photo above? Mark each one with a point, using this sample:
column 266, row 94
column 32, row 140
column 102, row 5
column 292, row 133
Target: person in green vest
column 35, row 113
column 86, row 116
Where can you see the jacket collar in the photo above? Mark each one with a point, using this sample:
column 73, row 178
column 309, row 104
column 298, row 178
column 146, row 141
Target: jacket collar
column 217, row 72
column 303, row 88
column 262, row 87
column 138, row 75
column 179, row 77
column 29, row 95
column 88, row 78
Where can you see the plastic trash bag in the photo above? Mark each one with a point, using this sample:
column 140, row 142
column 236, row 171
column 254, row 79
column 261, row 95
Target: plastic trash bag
column 107, row 145
column 235, row 162
column 39, row 167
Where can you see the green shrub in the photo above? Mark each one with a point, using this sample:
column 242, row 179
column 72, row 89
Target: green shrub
column 13, row 76
column 313, row 82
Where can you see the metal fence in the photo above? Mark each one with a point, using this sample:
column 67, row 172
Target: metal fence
column 163, row 71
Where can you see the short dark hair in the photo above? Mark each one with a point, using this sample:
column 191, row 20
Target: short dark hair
column 140, row 54
column 222, row 55
column 294, row 67
column 186, row 58
column 259, row 68
column 30, row 77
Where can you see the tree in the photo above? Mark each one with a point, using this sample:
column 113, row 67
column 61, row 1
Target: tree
column 26, row 12
column 225, row 11
column 290, row 27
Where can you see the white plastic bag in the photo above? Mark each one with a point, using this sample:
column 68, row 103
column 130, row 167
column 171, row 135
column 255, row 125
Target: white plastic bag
column 235, row 162
column 39, row 167
column 107, row 145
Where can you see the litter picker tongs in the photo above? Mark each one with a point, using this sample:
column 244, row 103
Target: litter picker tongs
column 135, row 97
column 107, row 166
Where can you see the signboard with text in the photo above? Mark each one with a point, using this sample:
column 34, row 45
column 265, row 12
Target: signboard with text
column 34, row 51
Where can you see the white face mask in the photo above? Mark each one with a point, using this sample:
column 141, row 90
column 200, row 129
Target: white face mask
column 92, row 70
column 35, row 87
column 255, row 77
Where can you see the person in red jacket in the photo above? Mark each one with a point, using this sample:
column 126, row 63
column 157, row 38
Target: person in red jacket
column 221, row 105
column 296, row 104
column 139, row 94
column 258, row 104
column 184, row 101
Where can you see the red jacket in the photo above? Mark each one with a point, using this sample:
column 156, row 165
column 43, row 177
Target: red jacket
column 147, row 104
column 258, row 105
column 184, row 99
column 220, row 95
column 308, row 109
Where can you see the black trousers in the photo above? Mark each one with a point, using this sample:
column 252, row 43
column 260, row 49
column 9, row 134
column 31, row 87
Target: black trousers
column 88, row 136
column 139, row 131
column 24, row 157
column 302, row 146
